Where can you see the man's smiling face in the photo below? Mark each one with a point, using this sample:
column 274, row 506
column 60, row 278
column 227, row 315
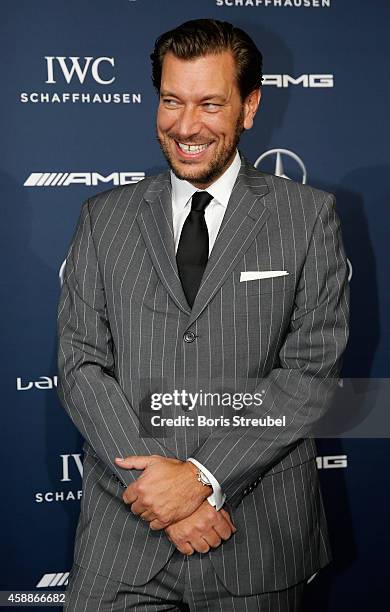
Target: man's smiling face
column 201, row 115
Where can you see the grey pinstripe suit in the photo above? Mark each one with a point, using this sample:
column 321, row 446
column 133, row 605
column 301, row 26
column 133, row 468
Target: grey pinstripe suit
column 122, row 318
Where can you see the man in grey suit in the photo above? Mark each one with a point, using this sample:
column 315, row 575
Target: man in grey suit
column 210, row 275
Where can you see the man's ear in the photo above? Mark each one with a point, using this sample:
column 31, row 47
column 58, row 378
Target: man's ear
column 251, row 104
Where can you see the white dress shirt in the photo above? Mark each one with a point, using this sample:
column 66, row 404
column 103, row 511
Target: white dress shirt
column 182, row 192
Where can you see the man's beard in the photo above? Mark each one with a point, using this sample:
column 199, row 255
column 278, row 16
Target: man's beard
column 216, row 167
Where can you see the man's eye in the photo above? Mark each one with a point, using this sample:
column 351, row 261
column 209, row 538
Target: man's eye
column 211, row 106
column 169, row 102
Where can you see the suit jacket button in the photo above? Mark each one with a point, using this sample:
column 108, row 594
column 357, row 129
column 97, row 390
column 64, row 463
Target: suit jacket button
column 189, row 336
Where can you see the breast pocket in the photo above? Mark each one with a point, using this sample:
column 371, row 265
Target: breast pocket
column 273, row 284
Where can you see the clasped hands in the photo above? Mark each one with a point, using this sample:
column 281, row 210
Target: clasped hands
column 168, row 495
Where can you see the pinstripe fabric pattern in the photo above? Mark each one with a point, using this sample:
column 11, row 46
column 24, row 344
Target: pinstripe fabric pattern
column 185, row 584
column 122, row 317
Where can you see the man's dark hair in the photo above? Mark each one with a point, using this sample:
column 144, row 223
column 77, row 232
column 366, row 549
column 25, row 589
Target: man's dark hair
column 200, row 37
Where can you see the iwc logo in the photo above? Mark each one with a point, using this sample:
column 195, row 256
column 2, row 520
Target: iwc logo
column 78, row 72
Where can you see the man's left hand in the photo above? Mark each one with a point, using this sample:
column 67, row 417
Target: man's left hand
column 166, row 491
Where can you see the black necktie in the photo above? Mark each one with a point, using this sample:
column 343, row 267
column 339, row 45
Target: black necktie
column 193, row 250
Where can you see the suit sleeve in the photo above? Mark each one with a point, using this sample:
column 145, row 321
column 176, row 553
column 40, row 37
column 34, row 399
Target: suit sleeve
column 302, row 385
column 88, row 388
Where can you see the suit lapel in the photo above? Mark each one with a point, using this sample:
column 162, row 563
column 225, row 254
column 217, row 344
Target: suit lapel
column 155, row 223
column 244, row 217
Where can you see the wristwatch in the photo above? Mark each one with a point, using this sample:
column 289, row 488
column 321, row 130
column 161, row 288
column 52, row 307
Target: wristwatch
column 203, row 478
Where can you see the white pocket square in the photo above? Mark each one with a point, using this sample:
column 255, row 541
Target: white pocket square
column 256, row 275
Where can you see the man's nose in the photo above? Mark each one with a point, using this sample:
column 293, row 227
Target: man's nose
column 188, row 123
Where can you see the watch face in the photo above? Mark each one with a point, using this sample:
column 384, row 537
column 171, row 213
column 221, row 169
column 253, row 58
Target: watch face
column 202, row 478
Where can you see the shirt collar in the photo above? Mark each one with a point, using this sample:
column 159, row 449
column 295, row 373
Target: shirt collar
column 182, row 191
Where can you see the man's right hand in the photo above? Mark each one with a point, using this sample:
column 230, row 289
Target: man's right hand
column 203, row 529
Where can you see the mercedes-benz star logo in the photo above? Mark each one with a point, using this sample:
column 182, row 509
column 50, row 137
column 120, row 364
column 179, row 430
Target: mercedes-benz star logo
column 279, row 167
column 61, row 273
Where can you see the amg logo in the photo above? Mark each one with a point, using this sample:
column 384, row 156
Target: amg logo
column 332, row 461
column 53, row 580
column 64, row 179
column 305, row 80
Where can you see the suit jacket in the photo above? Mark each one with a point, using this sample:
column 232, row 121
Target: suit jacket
column 123, row 319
